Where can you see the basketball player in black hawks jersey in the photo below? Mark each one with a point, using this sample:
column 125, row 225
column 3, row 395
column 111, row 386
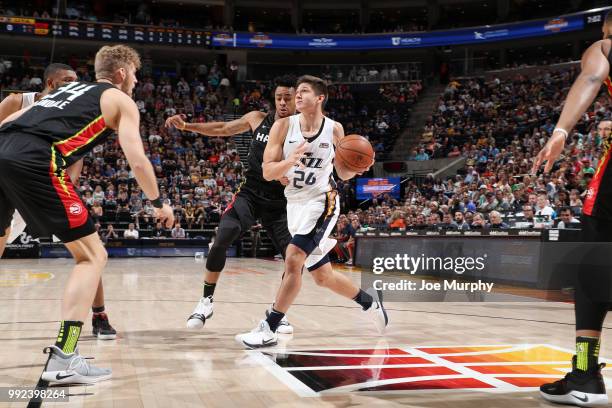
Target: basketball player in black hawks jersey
column 37, row 145
column 584, row 385
column 301, row 148
column 256, row 198
column 55, row 76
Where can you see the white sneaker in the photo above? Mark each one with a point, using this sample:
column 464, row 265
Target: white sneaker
column 203, row 311
column 284, row 327
column 72, row 368
column 260, row 336
column 377, row 311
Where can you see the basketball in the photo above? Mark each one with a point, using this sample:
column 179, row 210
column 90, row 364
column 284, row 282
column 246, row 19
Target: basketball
column 355, row 153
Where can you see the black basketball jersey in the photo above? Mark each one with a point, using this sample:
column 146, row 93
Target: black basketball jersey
column 254, row 173
column 69, row 119
column 598, row 202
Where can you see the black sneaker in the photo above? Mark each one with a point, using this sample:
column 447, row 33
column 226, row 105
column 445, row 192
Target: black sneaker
column 102, row 328
column 580, row 388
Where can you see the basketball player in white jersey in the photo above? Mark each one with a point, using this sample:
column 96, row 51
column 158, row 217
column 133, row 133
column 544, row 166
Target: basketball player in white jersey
column 55, row 76
column 301, row 148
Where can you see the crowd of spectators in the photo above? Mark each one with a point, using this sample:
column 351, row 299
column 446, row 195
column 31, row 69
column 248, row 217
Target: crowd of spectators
column 342, row 74
column 498, row 127
column 378, row 111
column 197, row 175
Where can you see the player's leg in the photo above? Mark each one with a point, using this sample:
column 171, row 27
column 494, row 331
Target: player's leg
column 65, row 364
column 370, row 301
column 101, row 326
column 274, row 220
column 584, row 385
column 50, row 205
column 291, row 283
column 264, row 335
column 236, row 219
column 307, row 222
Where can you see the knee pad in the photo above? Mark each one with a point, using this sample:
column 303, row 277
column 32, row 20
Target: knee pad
column 228, row 232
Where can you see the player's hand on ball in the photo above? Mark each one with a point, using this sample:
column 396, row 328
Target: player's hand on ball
column 177, row 121
column 549, row 153
column 298, row 154
column 367, row 169
column 165, row 215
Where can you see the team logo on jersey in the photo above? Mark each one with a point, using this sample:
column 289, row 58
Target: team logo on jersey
column 76, row 209
column 262, row 137
column 311, row 162
column 324, row 146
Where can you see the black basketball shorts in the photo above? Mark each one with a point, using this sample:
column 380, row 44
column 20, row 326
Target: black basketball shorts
column 33, row 181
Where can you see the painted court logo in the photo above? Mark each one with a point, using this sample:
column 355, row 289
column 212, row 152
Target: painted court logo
column 486, row 368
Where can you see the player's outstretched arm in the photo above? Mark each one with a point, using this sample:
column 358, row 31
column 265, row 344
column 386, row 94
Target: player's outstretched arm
column 595, row 69
column 274, row 167
column 120, row 112
column 249, row 121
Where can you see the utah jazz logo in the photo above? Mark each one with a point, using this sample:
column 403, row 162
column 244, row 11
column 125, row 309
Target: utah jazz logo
column 311, row 162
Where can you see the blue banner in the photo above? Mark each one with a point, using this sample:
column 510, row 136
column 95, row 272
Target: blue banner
column 368, row 188
column 474, row 35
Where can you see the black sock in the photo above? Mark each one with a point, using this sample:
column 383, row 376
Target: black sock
column 209, row 289
column 587, row 352
column 97, row 309
column 68, row 336
column 364, row 299
column 274, row 319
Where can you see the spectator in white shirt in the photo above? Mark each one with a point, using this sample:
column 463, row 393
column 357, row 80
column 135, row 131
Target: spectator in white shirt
column 542, row 207
column 178, row 232
column 565, row 214
column 131, row 232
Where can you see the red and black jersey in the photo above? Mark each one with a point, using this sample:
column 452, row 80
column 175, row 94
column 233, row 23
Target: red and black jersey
column 69, row 119
column 254, row 173
column 598, row 202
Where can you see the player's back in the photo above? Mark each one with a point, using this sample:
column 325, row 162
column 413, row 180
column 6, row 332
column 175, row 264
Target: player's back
column 316, row 177
column 68, row 119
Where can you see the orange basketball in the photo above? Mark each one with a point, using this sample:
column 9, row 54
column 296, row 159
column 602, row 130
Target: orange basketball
column 355, row 153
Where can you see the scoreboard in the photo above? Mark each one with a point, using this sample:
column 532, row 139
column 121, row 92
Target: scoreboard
column 104, row 31
column 113, row 32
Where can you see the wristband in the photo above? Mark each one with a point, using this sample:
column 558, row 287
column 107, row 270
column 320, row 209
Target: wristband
column 562, row 131
column 157, row 203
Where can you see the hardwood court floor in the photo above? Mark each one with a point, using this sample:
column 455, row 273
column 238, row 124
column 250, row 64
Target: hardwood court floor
column 333, row 354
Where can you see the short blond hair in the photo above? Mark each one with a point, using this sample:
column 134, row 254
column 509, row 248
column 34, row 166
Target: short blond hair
column 112, row 57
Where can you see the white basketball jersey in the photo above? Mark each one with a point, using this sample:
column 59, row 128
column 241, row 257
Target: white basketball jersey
column 27, row 99
column 316, row 177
